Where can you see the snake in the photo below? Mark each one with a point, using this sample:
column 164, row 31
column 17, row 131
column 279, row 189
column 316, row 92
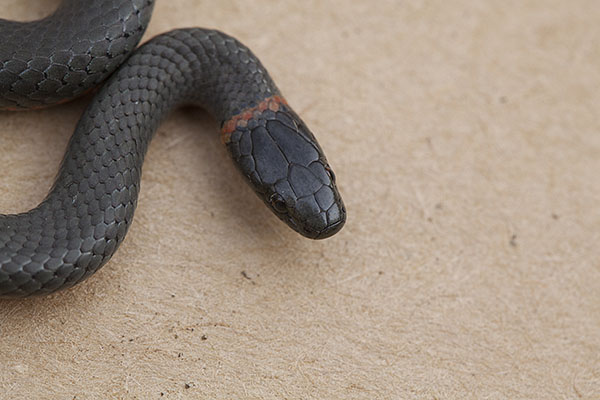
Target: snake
column 90, row 45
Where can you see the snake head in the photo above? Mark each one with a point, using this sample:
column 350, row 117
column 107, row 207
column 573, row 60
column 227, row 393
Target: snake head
column 286, row 167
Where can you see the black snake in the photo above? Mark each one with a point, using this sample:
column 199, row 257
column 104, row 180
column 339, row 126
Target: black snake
column 84, row 218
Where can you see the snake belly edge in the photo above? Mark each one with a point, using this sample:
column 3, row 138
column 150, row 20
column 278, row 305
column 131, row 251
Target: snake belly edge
column 84, row 218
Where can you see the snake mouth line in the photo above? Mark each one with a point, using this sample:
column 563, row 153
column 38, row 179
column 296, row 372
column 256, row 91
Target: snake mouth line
column 332, row 229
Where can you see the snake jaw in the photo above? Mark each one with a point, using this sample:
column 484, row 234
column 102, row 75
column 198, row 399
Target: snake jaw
column 286, row 167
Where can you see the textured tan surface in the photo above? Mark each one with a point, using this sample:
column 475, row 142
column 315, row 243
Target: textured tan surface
column 466, row 140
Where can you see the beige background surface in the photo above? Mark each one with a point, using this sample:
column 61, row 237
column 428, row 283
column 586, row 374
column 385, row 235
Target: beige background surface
column 465, row 137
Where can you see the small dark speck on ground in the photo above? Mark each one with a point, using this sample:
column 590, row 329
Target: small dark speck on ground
column 187, row 386
column 513, row 241
column 429, row 143
column 555, row 216
column 245, row 275
column 204, row 337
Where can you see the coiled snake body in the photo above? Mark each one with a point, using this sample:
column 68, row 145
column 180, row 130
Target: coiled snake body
column 86, row 215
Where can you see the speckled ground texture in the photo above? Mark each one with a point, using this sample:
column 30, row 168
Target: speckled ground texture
column 465, row 139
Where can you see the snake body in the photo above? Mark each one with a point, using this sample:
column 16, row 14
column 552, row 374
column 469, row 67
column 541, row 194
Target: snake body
column 85, row 217
column 68, row 53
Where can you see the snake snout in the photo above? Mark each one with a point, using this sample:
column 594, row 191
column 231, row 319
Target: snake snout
column 322, row 225
column 318, row 211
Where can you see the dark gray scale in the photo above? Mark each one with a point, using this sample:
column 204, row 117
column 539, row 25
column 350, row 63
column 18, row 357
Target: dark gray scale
column 69, row 52
column 85, row 217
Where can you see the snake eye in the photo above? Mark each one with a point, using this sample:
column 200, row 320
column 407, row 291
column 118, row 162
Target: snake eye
column 330, row 173
column 278, row 203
